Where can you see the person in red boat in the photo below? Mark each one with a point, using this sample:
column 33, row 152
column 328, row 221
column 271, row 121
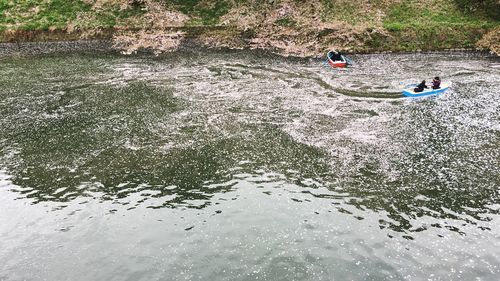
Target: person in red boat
column 336, row 56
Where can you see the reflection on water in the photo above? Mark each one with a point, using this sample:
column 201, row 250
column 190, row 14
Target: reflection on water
column 248, row 166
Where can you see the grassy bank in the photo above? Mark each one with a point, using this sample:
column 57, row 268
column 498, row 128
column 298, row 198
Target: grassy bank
column 31, row 15
column 357, row 25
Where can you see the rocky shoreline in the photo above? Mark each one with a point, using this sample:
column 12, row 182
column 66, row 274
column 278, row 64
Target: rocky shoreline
column 38, row 48
column 107, row 46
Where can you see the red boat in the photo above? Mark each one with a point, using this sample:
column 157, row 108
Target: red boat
column 336, row 60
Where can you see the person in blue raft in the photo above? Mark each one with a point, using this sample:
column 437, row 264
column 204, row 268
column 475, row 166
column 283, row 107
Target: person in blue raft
column 420, row 87
column 436, row 84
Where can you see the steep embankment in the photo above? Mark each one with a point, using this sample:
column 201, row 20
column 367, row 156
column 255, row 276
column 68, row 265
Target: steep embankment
column 286, row 26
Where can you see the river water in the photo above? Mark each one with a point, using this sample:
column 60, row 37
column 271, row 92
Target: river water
column 248, row 166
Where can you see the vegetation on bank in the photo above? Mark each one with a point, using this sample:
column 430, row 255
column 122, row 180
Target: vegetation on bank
column 372, row 25
column 444, row 14
column 59, row 14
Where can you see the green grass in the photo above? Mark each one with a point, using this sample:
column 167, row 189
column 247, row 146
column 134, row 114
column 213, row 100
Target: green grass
column 346, row 12
column 286, row 21
column 407, row 15
column 23, row 15
column 401, row 15
column 108, row 18
column 351, row 12
column 42, row 15
column 427, row 38
column 428, row 28
column 203, row 12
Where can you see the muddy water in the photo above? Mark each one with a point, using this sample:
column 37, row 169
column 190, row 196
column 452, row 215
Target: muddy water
column 247, row 166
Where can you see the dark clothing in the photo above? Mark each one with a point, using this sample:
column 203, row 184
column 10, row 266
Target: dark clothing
column 336, row 56
column 436, row 84
column 420, row 87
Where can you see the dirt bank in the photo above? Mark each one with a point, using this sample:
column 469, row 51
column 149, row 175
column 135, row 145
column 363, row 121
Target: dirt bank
column 282, row 26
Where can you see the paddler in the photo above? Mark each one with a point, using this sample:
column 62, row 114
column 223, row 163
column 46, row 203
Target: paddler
column 420, row 87
column 436, row 83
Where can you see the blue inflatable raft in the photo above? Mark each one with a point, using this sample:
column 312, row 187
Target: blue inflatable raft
column 408, row 90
